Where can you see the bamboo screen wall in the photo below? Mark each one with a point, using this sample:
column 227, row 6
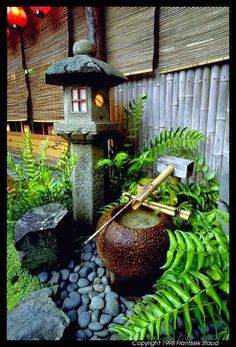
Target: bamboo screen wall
column 44, row 41
column 196, row 98
column 16, row 87
column 191, row 36
column 129, row 38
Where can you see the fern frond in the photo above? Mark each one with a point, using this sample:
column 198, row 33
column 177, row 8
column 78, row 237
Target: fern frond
column 28, row 157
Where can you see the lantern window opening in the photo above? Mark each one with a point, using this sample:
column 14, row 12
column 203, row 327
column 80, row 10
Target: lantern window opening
column 99, row 100
column 78, row 100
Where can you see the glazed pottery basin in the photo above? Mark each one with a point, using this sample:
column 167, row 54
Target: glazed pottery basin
column 135, row 244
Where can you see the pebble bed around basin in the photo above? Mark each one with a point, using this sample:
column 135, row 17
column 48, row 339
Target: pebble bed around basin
column 84, row 293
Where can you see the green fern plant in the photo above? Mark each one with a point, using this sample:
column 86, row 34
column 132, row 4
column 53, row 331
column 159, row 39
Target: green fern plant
column 133, row 119
column 195, row 283
column 36, row 183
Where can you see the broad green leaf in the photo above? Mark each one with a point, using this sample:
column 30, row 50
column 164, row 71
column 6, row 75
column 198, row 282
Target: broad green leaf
column 197, row 299
column 171, row 297
column 212, row 293
column 193, row 286
column 204, row 279
column 201, row 321
column 158, row 327
column 200, row 250
column 156, row 309
column 225, row 309
column 151, row 330
column 180, row 292
column 188, row 323
column 164, row 304
column 167, row 326
column 143, row 334
column 178, row 257
column 214, row 275
column 210, row 310
column 225, row 287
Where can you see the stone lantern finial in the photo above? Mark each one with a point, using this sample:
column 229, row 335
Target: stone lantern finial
column 84, row 47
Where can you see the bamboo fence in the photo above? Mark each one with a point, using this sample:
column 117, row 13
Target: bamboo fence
column 196, row 98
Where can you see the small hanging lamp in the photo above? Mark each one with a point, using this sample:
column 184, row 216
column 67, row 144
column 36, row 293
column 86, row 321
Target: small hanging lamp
column 16, row 17
column 40, row 11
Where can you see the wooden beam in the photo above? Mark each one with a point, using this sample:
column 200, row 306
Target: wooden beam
column 155, row 60
column 70, row 26
column 90, row 24
column 95, row 22
column 100, row 31
column 29, row 98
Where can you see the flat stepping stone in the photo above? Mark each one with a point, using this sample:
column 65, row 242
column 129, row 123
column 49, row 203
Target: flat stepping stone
column 84, row 319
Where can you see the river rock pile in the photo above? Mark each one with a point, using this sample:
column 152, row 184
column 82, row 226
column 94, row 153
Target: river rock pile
column 85, row 295
column 83, row 292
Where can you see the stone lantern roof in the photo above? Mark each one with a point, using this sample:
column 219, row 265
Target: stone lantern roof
column 83, row 69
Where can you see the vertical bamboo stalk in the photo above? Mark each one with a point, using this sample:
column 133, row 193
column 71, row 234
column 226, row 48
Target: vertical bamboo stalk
column 125, row 95
column 120, row 102
column 150, row 115
column 221, row 118
column 175, row 102
column 169, row 96
column 197, row 92
column 145, row 116
column 149, row 108
column 204, row 105
column 111, row 98
column 163, row 103
column 134, row 96
column 116, row 104
column 211, row 121
column 182, row 89
column 140, row 93
column 189, row 99
column 156, row 103
column 225, row 160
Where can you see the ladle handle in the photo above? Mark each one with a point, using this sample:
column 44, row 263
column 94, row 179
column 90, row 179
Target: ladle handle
column 151, row 187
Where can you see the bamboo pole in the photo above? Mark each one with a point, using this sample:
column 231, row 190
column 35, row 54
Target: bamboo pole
column 175, row 101
column 171, row 211
column 150, row 131
column 111, row 105
column 156, row 103
column 162, row 103
column 169, row 97
column 120, row 103
column 221, row 118
column 149, row 108
column 189, row 99
column 116, row 104
column 145, row 116
column 197, row 91
column 182, row 89
column 152, row 186
column 204, row 106
column 211, row 121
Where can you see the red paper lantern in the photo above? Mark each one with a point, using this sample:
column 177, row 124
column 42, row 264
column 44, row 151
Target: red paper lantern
column 16, row 16
column 40, row 11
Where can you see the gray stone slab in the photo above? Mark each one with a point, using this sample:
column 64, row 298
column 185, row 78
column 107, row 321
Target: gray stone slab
column 36, row 318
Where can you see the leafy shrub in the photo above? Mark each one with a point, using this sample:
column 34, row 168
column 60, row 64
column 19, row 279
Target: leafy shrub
column 36, row 182
column 36, row 185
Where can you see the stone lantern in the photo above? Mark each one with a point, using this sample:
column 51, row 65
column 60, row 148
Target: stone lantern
column 86, row 124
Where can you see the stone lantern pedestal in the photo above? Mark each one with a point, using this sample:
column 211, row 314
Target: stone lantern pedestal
column 86, row 125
